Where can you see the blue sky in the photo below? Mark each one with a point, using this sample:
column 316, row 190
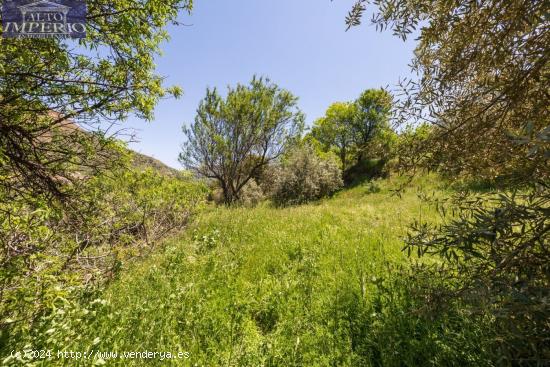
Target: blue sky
column 301, row 45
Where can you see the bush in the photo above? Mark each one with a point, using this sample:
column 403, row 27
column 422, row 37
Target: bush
column 303, row 177
column 494, row 247
column 251, row 194
column 53, row 251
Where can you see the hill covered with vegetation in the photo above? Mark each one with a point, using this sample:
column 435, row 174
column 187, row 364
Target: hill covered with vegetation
column 403, row 228
column 319, row 284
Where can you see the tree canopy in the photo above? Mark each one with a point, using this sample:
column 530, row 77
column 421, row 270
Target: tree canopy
column 484, row 73
column 372, row 115
column 334, row 130
column 483, row 83
column 47, row 83
column 233, row 138
column 349, row 127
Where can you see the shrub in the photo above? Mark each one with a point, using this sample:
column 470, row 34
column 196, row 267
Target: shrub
column 52, row 251
column 495, row 249
column 251, row 194
column 303, row 177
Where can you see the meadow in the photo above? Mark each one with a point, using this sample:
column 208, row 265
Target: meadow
column 322, row 284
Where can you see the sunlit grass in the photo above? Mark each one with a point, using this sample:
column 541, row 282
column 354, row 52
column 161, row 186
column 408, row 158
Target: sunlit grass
column 269, row 286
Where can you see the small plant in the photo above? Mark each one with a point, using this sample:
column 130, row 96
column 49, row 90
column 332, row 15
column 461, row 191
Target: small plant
column 373, row 187
column 206, row 242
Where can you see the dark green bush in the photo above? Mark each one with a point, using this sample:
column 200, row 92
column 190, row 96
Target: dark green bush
column 365, row 169
column 495, row 249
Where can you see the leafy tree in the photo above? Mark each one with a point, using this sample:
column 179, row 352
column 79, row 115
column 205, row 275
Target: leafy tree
column 334, row 130
column 109, row 74
column 483, row 86
column 371, row 116
column 64, row 220
column 349, row 127
column 232, row 139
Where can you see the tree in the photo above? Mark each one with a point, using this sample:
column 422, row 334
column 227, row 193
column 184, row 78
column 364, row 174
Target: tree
column 56, row 99
column 483, row 68
column 46, row 83
column 483, row 71
column 372, row 113
column 334, row 130
column 232, row 139
column 349, row 127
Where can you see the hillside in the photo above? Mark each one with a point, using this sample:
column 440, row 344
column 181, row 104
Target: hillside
column 139, row 160
column 142, row 161
column 302, row 285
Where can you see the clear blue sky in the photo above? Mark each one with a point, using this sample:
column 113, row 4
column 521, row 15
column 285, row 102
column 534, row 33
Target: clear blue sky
column 301, row 45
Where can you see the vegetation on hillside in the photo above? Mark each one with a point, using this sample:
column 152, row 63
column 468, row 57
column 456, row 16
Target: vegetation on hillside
column 357, row 244
column 57, row 252
column 72, row 208
column 356, row 132
column 303, row 176
column 45, row 83
column 234, row 138
column 318, row 284
column 483, row 70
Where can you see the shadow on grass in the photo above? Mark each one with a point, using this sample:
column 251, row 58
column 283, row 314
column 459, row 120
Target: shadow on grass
column 363, row 172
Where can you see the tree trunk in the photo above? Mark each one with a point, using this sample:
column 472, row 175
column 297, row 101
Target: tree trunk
column 343, row 158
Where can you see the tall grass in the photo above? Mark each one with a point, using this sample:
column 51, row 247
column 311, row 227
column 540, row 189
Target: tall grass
column 322, row 284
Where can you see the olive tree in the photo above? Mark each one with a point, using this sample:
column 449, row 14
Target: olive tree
column 483, row 70
column 483, row 83
column 233, row 138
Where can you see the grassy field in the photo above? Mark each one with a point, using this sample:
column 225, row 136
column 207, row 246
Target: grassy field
column 313, row 285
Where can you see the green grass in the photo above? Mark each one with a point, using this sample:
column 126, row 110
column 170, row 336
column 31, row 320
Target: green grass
column 313, row 285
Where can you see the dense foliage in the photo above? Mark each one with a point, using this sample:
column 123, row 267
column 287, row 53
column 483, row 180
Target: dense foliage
column 46, row 83
column 298, row 283
column 52, row 252
column 234, row 138
column 373, row 113
column 303, row 176
column 484, row 76
column 71, row 211
column 498, row 245
column 334, row 133
column 357, row 130
column 312, row 285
